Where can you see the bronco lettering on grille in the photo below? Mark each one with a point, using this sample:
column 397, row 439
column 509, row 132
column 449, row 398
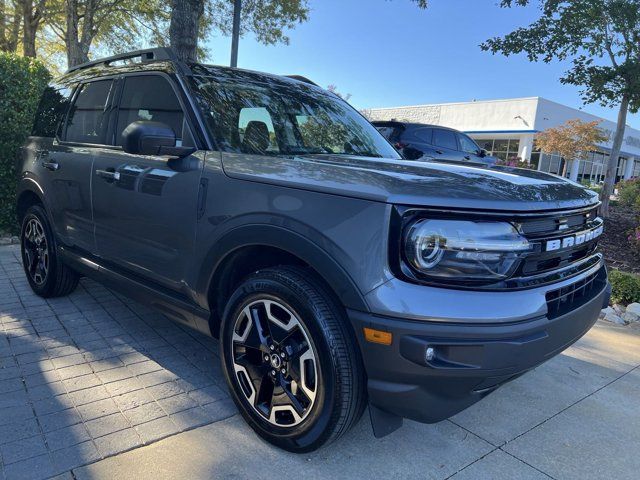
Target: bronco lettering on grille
column 573, row 240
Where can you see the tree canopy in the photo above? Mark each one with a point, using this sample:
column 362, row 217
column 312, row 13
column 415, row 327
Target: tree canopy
column 573, row 140
column 600, row 40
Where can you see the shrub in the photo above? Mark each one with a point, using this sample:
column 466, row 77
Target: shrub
column 516, row 162
column 629, row 193
column 22, row 81
column 625, row 287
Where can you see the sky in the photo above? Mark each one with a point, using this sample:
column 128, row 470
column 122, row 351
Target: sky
column 390, row 53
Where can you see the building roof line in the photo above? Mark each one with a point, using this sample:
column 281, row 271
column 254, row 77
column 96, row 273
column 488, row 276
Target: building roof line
column 457, row 103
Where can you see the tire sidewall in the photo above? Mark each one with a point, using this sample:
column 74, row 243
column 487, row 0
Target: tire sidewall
column 316, row 427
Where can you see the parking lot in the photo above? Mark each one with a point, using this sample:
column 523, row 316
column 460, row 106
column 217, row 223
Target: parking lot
column 100, row 386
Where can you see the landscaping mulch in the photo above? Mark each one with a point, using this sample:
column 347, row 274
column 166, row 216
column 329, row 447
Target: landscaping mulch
column 614, row 243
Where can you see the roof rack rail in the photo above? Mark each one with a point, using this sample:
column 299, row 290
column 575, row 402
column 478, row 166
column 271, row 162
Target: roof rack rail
column 300, row 78
column 147, row 55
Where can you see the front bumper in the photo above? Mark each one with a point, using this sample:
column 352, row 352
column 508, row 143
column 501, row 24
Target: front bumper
column 471, row 359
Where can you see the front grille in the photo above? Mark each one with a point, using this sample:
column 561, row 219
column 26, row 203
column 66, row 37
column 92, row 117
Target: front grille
column 539, row 231
column 566, row 299
column 558, row 223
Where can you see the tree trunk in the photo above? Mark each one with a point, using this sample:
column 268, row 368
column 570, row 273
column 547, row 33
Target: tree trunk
column 3, row 25
column 77, row 52
column 184, row 28
column 29, row 28
column 9, row 27
column 610, row 176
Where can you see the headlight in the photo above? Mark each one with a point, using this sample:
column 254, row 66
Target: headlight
column 463, row 251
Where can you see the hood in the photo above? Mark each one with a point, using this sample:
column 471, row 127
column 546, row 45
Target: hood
column 414, row 183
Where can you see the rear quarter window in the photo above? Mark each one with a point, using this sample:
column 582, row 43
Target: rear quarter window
column 423, row 134
column 51, row 111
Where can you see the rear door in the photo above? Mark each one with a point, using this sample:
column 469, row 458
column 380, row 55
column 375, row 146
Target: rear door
column 66, row 162
column 145, row 207
column 445, row 144
column 417, row 143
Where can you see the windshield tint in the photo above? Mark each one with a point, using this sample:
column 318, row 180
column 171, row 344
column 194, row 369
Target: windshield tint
column 267, row 116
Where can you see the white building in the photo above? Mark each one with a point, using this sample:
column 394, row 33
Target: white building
column 506, row 129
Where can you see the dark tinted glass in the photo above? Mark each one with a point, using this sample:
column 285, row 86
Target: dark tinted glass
column 467, row 145
column 445, row 139
column 87, row 121
column 422, row 134
column 149, row 97
column 51, row 110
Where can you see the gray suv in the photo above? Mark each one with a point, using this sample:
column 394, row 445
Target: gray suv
column 267, row 212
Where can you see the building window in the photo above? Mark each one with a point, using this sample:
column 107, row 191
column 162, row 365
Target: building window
column 500, row 148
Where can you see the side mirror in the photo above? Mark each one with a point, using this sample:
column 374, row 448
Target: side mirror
column 482, row 153
column 152, row 138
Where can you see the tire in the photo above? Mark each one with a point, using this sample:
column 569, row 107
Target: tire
column 321, row 366
column 47, row 275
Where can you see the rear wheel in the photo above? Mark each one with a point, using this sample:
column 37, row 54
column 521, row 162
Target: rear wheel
column 47, row 275
column 291, row 360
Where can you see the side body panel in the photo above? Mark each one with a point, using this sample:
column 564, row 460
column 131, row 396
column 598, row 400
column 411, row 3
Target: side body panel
column 345, row 239
column 145, row 221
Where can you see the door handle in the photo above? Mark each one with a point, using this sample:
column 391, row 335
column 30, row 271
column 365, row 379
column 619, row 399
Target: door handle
column 109, row 175
column 53, row 166
column 439, row 152
column 467, row 157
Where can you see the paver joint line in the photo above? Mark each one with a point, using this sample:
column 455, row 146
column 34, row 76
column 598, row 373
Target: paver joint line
column 81, row 354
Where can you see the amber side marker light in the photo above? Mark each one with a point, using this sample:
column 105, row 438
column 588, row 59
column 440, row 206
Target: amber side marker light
column 377, row 336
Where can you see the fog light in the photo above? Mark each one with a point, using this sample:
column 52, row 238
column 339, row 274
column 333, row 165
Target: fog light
column 430, row 354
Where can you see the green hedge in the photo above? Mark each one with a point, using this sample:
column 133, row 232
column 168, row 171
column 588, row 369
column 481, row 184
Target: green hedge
column 625, row 287
column 629, row 193
column 22, row 81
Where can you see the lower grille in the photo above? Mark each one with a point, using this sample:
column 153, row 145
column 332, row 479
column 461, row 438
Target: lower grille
column 566, row 299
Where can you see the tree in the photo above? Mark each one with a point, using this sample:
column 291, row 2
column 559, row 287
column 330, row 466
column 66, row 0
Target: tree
column 32, row 19
column 268, row 20
column 572, row 141
column 114, row 24
column 10, row 23
column 601, row 39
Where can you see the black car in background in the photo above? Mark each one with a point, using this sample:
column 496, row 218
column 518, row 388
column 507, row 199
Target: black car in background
column 417, row 140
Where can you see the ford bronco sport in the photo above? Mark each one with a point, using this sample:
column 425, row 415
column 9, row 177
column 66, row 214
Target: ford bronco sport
column 267, row 212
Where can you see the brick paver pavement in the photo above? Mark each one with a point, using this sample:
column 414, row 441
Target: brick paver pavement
column 94, row 374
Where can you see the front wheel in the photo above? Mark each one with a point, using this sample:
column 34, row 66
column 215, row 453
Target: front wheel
column 290, row 359
column 47, row 275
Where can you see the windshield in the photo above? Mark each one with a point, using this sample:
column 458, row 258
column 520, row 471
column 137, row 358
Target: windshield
column 268, row 116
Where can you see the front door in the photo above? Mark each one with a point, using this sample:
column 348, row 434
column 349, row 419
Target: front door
column 145, row 207
column 68, row 163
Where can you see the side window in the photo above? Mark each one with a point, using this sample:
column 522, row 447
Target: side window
column 423, row 134
column 445, row 139
column 255, row 128
column 467, row 145
column 87, row 120
column 150, row 97
column 51, row 111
